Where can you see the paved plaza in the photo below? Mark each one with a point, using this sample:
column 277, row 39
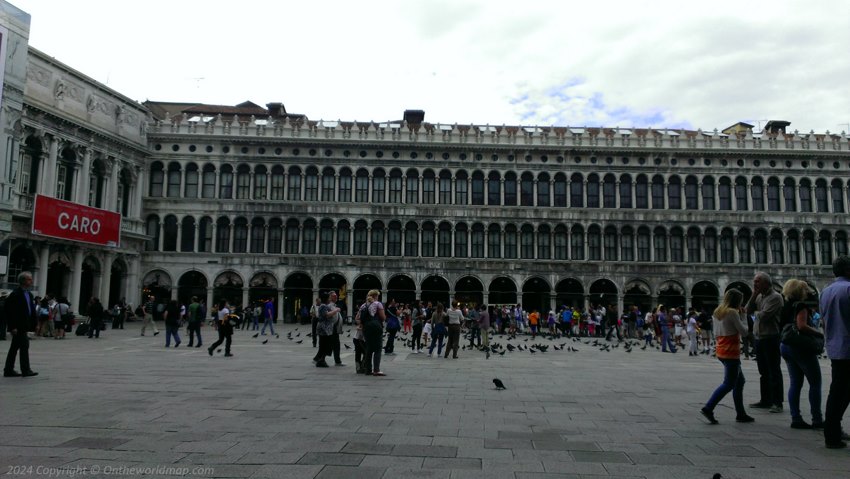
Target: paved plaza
column 124, row 405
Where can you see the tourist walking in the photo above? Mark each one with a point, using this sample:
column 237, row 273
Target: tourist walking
column 691, row 329
column 835, row 308
column 455, row 320
column 314, row 319
column 438, row 330
column 484, row 326
column 729, row 327
column 663, row 322
column 326, row 316
column 417, row 318
column 267, row 310
column 171, row 316
column 225, row 329
column 95, row 312
column 148, row 312
column 195, row 319
column 19, row 312
column 372, row 316
column 766, row 304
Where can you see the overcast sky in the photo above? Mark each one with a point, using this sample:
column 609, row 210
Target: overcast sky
column 614, row 63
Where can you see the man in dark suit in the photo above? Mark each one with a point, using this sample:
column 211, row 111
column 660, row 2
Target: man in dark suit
column 20, row 314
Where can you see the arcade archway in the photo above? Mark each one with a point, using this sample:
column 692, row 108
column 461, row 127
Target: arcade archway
column 402, row 289
column 469, row 291
column 435, row 289
column 297, row 298
column 637, row 293
column 535, row 295
column 672, row 295
column 192, row 283
column 228, row 287
column 705, row 296
column 603, row 292
column 502, row 291
column 570, row 293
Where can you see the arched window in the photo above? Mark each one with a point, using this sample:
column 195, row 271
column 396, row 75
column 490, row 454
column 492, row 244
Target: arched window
column 191, row 180
column 152, row 230
column 394, row 239
column 461, row 188
column 293, row 236
column 510, row 188
column 343, row 236
column 169, row 232
column 576, row 191
column 727, row 246
column 777, row 252
column 724, row 190
column 477, row 188
column 543, row 250
column 243, row 182
column 744, row 246
column 344, row 186
column 625, row 191
column 494, row 189
column 789, row 191
column 395, row 187
column 837, row 198
column 610, row 243
column 693, row 245
column 677, row 245
column 222, row 235
column 809, row 246
column 461, row 240
column 412, row 197
column 187, row 234
column 445, row 187
column 643, row 244
column 820, row 196
column 543, row 189
column 208, row 190
column 511, row 242
column 361, row 186
column 411, row 239
column 173, row 180
column 326, row 237
column 593, row 191
column 277, row 182
column 609, row 192
column 429, row 187
column 841, row 243
column 308, row 237
column 560, row 191
column 577, row 243
column 760, row 246
column 294, row 186
column 741, row 194
column 155, row 189
column 825, row 239
column 377, row 238
column 561, row 242
column 674, row 193
column 477, row 241
column 627, row 244
column 444, row 240
column 659, row 240
column 773, row 194
column 526, row 187
column 275, row 245
column 805, row 195
column 494, row 241
column 757, row 190
column 594, row 243
column 361, row 239
column 657, row 192
column 328, row 185
column 708, row 193
column 205, row 235
column 66, row 179
column 240, row 235
column 793, row 247
column 429, row 240
column 710, row 245
column 311, row 184
column 691, row 193
column 225, row 187
column 642, row 192
column 379, row 186
column 526, row 242
column 258, row 235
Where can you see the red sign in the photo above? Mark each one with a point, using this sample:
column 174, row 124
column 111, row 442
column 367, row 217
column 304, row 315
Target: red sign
column 75, row 222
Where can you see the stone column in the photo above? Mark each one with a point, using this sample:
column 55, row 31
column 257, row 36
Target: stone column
column 279, row 303
column 76, row 271
column 132, row 289
column 209, row 301
column 245, row 297
column 177, row 247
column 230, row 229
column 138, row 190
column 106, row 278
column 47, row 169
column 43, row 267
column 113, row 188
column 83, row 179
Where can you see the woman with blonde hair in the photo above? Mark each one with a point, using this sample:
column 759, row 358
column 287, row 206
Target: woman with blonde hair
column 371, row 317
column 728, row 328
column 800, row 362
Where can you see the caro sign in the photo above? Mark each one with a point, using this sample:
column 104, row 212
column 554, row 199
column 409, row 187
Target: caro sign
column 75, row 222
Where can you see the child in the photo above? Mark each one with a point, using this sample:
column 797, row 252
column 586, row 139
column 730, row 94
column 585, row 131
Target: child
column 426, row 332
column 359, row 349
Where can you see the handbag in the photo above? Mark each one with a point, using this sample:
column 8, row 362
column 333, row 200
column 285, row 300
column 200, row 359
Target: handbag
column 806, row 343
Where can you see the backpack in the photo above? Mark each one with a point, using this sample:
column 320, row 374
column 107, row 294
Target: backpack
column 139, row 311
column 393, row 324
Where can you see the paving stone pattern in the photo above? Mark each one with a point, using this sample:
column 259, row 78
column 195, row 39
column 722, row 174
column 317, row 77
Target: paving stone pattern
column 125, row 401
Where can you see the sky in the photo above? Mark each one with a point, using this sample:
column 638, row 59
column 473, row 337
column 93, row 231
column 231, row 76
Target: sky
column 637, row 63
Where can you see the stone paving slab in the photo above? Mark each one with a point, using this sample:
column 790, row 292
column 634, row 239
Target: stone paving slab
column 268, row 413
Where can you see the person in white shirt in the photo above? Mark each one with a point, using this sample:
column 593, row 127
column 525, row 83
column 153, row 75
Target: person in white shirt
column 692, row 334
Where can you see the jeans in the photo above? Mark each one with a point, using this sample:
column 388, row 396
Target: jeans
column 434, row 338
column 194, row 329
column 453, row 343
column 389, row 348
column 169, row 332
column 611, row 329
column 223, row 337
column 733, row 380
column 836, row 402
column 417, row 338
column 799, row 365
column 666, row 340
column 325, row 349
column 372, row 361
column 268, row 322
column 770, row 370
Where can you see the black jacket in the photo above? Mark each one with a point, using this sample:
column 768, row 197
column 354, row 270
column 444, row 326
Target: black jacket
column 18, row 315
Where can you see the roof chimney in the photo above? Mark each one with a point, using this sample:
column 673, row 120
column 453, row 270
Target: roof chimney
column 776, row 126
column 276, row 110
column 414, row 117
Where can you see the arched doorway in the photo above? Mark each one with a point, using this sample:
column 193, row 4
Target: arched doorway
column 672, row 295
column 263, row 287
column 637, row 293
column 435, row 289
column 535, row 295
column 228, row 287
column 157, row 283
column 337, row 283
column 603, row 292
column 90, row 272
column 469, row 291
column 192, row 283
column 705, row 296
column 570, row 293
column 402, row 289
column 502, row 291
column 362, row 285
column 297, row 297
column 744, row 288
column 117, row 279
column 58, row 279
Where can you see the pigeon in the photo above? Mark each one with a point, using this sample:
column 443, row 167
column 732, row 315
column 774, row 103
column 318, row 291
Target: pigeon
column 347, row 346
column 502, row 353
column 299, row 341
column 511, row 347
column 299, row 334
column 277, row 336
column 218, row 351
column 532, row 351
column 716, row 476
column 254, row 336
column 264, row 342
column 499, row 384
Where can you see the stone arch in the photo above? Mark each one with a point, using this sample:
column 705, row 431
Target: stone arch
column 569, row 292
column 401, row 288
column 705, row 295
column 637, row 292
column 603, row 292
column 435, row 289
column 263, row 287
column 192, row 283
column 671, row 294
column 157, row 283
column 536, row 294
column 469, row 290
column 297, row 296
column 228, row 287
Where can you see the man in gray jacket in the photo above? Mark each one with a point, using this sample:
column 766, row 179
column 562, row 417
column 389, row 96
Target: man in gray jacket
column 766, row 304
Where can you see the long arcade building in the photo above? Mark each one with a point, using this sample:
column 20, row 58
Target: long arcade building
column 247, row 202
